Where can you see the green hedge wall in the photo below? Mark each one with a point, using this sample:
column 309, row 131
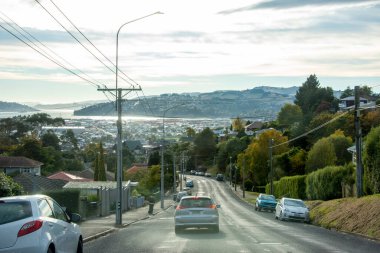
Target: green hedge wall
column 326, row 183
column 66, row 198
column 292, row 187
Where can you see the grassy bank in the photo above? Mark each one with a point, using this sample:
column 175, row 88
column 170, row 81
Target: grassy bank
column 360, row 216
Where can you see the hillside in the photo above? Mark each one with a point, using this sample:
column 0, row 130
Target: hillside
column 15, row 107
column 259, row 103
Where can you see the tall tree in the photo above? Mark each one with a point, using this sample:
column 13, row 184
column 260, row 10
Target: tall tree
column 205, row 145
column 289, row 114
column 322, row 148
column 371, row 161
column 101, row 166
column 310, row 97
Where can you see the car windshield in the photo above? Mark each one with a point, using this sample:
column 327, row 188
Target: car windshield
column 196, row 202
column 291, row 202
column 268, row 197
column 14, row 211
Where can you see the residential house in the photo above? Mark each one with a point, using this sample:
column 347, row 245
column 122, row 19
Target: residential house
column 349, row 102
column 19, row 164
column 68, row 177
column 33, row 184
column 251, row 128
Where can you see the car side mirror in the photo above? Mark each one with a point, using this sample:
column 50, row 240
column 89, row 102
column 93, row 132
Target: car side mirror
column 218, row 206
column 74, row 217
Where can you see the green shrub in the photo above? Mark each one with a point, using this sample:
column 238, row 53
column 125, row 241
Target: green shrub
column 326, row 183
column 66, row 198
column 248, row 184
column 292, row 187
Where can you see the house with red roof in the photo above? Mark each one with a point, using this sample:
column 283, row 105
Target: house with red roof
column 65, row 176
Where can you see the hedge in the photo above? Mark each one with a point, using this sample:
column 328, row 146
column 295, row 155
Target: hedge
column 292, row 187
column 66, row 198
column 326, row 183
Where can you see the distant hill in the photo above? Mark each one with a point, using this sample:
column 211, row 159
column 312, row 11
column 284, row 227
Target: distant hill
column 259, row 103
column 15, row 107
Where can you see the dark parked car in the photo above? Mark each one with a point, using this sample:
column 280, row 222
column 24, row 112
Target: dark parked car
column 219, row 177
column 265, row 202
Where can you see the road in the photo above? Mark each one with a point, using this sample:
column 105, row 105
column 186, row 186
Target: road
column 241, row 230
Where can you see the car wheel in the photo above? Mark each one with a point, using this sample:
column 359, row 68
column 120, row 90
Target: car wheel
column 50, row 250
column 255, row 208
column 80, row 246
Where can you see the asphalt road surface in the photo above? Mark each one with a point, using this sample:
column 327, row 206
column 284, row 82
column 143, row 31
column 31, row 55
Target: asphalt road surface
column 241, row 230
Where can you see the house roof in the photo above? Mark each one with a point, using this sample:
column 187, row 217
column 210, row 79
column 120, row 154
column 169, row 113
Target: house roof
column 18, row 162
column 89, row 174
column 254, row 125
column 68, row 177
column 352, row 98
column 98, row 185
column 34, row 184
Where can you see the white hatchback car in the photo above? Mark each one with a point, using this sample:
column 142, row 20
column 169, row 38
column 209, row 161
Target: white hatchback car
column 36, row 224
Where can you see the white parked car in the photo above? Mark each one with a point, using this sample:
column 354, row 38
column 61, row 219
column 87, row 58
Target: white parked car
column 292, row 209
column 37, row 224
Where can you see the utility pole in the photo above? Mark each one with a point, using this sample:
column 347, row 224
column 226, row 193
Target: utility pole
column 230, row 171
column 174, row 176
column 119, row 148
column 235, row 176
column 358, row 143
column 243, row 177
column 271, row 165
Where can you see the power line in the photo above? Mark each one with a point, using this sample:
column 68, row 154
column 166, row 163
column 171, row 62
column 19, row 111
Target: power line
column 98, row 84
column 49, row 58
column 73, row 36
column 91, row 42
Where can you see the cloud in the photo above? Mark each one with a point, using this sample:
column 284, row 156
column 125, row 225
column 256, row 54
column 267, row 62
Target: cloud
column 288, row 4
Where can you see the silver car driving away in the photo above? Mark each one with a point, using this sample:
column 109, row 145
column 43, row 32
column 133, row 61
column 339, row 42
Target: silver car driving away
column 196, row 212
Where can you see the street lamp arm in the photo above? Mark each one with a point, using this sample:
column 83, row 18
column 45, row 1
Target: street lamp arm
column 137, row 19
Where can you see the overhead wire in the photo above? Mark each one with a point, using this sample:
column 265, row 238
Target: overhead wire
column 47, row 56
column 89, row 41
column 43, row 45
column 75, row 38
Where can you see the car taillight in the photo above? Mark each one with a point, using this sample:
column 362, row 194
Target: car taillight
column 212, row 206
column 30, row 227
column 179, row 207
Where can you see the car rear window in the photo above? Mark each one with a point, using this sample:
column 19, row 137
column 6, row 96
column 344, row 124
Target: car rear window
column 297, row 203
column 14, row 211
column 196, row 202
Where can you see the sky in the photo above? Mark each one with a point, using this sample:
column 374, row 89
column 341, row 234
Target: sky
column 194, row 46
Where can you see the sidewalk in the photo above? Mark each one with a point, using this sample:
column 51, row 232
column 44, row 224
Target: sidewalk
column 100, row 226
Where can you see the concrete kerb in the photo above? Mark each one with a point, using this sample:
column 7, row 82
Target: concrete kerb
column 111, row 230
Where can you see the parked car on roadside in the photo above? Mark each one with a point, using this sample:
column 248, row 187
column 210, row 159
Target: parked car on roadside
column 292, row 209
column 219, row 177
column 180, row 195
column 36, row 223
column 265, row 202
column 188, row 190
column 196, row 212
column 208, row 174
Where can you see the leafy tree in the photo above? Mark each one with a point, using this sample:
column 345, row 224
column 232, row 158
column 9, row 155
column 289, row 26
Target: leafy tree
column 190, row 132
column 69, row 138
column 101, row 167
column 371, row 161
column 8, row 187
column 40, row 119
column 290, row 163
column 205, row 145
column 310, row 96
column 256, row 155
column 238, row 124
column 50, row 139
column 348, row 92
column 154, row 158
column 341, row 144
column 289, row 114
column 322, row 154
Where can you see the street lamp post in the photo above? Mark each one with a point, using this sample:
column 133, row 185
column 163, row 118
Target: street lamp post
column 162, row 155
column 119, row 125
